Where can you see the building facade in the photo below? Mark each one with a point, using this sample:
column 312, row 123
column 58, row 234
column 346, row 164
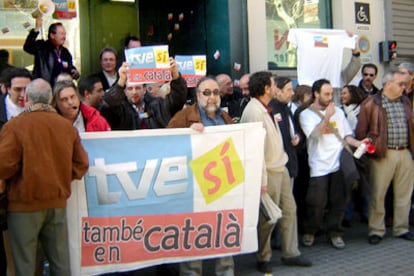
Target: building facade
column 237, row 36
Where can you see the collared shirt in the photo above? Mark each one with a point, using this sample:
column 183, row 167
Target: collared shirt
column 396, row 121
column 79, row 123
column 208, row 121
column 269, row 110
column 12, row 110
column 111, row 79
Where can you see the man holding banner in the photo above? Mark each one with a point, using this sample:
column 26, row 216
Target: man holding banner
column 206, row 112
column 275, row 177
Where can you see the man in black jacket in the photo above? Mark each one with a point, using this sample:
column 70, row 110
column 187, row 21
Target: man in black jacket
column 369, row 73
column 126, row 108
column 51, row 57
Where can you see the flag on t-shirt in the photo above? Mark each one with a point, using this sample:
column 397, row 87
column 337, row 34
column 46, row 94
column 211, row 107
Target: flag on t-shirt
column 319, row 53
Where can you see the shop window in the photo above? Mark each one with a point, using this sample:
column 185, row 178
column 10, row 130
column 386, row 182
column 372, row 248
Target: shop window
column 282, row 15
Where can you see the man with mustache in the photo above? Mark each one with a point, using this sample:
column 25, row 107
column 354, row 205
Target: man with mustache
column 369, row 74
column 206, row 112
column 51, row 57
column 387, row 119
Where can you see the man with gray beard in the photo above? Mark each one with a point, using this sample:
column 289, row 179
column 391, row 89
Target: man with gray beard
column 206, row 112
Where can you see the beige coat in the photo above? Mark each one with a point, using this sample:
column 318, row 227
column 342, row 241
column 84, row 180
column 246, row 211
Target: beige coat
column 275, row 157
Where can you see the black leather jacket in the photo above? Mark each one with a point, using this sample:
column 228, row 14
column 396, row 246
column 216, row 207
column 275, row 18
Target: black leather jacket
column 49, row 62
column 122, row 116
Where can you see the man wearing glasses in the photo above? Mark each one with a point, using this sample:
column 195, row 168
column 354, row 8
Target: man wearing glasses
column 206, row 112
column 386, row 118
column 369, row 74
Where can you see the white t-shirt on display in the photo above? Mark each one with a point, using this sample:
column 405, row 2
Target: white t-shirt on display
column 324, row 151
column 320, row 53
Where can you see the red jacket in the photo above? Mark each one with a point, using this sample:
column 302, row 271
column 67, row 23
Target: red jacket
column 93, row 119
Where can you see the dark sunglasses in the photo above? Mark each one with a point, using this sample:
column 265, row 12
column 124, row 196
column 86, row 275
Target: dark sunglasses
column 208, row 92
column 366, row 75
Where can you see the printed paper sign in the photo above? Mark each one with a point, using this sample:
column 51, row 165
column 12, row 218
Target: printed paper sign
column 65, row 9
column 170, row 195
column 148, row 64
column 192, row 68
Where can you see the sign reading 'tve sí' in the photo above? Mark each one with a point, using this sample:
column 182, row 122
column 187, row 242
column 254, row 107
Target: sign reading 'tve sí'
column 148, row 64
column 192, row 68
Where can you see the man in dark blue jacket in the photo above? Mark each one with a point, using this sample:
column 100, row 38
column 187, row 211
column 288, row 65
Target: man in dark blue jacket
column 51, row 57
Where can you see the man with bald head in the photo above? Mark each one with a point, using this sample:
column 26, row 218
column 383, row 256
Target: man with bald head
column 44, row 154
column 230, row 99
column 244, row 88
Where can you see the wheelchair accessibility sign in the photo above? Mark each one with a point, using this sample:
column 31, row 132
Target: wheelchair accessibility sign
column 362, row 15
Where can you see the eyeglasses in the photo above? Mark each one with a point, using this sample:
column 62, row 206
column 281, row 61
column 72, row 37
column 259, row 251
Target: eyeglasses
column 366, row 75
column 208, row 92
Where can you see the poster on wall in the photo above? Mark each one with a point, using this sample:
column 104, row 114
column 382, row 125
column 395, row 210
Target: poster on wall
column 282, row 15
column 65, row 9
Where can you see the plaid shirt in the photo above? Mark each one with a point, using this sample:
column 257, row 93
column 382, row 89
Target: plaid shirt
column 397, row 122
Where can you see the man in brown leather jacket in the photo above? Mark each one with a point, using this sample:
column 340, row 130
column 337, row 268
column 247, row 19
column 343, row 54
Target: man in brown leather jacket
column 386, row 118
column 206, row 112
column 44, row 154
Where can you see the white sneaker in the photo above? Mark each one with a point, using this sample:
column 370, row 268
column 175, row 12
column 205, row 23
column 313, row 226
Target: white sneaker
column 308, row 239
column 337, row 242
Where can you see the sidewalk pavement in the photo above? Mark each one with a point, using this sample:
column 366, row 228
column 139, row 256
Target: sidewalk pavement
column 392, row 256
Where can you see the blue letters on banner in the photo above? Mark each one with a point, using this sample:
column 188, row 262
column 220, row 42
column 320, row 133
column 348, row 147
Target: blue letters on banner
column 185, row 64
column 128, row 177
column 141, row 57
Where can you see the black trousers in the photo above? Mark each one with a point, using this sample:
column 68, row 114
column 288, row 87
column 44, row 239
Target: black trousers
column 325, row 192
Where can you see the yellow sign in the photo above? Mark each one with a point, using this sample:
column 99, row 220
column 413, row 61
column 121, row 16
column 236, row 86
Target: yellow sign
column 218, row 171
column 161, row 56
column 200, row 65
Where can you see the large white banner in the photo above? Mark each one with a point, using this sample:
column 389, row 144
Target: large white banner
column 167, row 195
